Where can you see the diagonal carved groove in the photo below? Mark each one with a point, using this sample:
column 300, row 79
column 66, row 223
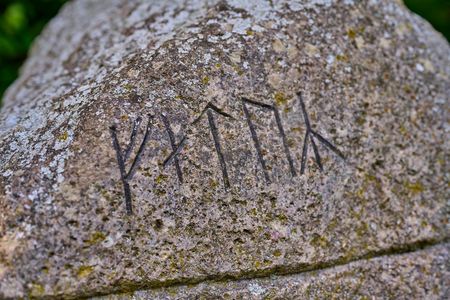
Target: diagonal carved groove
column 176, row 149
column 309, row 137
column 138, row 157
column 215, row 134
column 255, row 139
column 136, row 125
column 175, row 152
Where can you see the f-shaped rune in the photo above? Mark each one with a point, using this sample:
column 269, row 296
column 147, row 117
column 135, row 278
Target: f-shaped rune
column 210, row 110
column 310, row 135
column 124, row 155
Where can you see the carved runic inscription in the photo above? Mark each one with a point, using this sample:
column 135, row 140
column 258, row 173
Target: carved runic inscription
column 255, row 139
column 210, row 110
column 124, row 155
column 175, row 148
column 311, row 137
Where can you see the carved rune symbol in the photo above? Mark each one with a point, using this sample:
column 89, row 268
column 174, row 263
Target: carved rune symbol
column 176, row 149
column 309, row 136
column 255, row 139
column 123, row 156
column 210, row 109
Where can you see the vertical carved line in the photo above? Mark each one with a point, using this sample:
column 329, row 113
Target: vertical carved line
column 285, row 143
column 304, row 153
column 215, row 134
column 255, row 141
column 123, row 177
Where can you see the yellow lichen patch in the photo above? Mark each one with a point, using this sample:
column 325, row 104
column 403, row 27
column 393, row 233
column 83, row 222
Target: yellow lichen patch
column 319, row 241
column 342, row 57
column 249, row 32
column 205, row 80
column 403, row 130
column 96, row 237
column 280, row 99
column 84, row 271
column 277, row 253
column 128, row 87
column 291, row 143
column 332, row 225
column 37, row 290
column 414, row 187
column 360, row 120
column 63, row 137
column 161, row 178
column 297, row 129
column 213, row 183
column 351, row 33
column 238, row 70
column 362, row 230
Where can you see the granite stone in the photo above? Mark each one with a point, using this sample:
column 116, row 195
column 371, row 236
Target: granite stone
column 155, row 144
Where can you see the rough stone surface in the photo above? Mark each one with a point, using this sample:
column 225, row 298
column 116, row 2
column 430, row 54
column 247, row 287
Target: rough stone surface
column 224, row 96
column 419, row 275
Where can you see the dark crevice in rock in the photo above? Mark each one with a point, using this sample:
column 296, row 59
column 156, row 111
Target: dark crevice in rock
column 281, row 271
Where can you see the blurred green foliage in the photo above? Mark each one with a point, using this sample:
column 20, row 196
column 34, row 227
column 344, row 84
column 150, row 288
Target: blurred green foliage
column 437, row 12
column 22, row 20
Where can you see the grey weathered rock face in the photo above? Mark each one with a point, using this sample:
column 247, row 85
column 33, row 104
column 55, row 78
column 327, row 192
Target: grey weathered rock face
column 386, row 277
column 151, row 144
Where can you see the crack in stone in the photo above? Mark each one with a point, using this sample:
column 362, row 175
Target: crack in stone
column 261, row 274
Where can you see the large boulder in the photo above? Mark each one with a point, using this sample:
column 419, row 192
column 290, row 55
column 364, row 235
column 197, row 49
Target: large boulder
column 165, row 146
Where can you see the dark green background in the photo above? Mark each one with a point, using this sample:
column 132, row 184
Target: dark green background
column 22, row 20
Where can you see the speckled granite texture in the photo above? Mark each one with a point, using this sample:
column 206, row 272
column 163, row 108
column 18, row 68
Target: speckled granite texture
column 418, row 275
column 150, row 144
